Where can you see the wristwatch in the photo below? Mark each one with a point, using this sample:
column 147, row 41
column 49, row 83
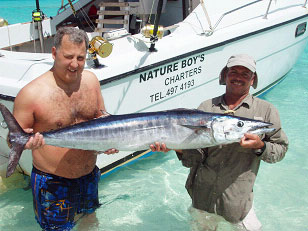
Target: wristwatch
column 259, row 151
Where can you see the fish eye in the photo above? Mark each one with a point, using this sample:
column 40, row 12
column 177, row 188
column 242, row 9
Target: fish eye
column 240, row 124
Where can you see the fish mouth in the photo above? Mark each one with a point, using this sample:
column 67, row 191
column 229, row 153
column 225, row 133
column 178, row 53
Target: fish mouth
column 261, row 128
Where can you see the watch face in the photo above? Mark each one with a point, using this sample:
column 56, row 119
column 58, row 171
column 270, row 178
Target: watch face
column 260, row 150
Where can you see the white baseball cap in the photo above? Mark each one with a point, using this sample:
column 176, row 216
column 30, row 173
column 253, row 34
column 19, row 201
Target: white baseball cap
column 239, row 60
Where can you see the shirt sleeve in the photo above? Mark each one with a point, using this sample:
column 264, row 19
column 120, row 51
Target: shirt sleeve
column 276, row 142
column 190, row 157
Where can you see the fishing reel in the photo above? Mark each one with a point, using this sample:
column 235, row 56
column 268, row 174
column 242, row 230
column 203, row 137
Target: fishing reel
column 37, row 15
column 99, row 46
column 148, row 32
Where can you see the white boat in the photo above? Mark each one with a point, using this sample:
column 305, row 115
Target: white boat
column 198, row 39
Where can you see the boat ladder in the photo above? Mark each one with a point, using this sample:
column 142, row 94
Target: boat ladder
column 114, row 15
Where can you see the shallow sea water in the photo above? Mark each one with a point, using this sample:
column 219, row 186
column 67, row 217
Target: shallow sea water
column 150, row 194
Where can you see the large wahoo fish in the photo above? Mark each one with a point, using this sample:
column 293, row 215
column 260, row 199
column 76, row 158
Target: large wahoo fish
column 178, row 129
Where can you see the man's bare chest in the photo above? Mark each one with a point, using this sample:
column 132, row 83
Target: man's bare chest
column 61, row 110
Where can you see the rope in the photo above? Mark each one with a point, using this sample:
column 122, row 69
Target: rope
column 149, row 21
column 86, row 17
column 8, row 34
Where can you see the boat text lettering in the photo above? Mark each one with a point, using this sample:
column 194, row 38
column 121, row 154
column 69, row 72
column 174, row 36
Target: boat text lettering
column 182, row 75
column 172, row 91
column 161, row 71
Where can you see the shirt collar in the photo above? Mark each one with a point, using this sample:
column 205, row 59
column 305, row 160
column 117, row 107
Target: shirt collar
column 247, row 101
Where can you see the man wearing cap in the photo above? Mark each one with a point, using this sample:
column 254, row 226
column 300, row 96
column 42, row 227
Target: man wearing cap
column 221, row 178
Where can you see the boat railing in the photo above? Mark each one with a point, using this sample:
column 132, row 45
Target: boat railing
column 268, row 7
column 212, row 29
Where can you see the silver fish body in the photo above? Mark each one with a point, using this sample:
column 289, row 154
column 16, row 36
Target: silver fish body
column 178, row 129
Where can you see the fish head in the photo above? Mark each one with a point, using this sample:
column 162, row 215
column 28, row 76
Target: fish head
column 229, row 129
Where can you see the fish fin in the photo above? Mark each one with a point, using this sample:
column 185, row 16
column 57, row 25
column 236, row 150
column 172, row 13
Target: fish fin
column 186, row 109
column 14, row 157
column 17, row 147
column 181, row 109
column 200, row 127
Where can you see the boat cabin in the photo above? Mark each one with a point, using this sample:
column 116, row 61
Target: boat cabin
column 110, row 19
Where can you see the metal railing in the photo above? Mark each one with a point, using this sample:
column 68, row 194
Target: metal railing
column 212, row 29
column 231, row 11
column 268, row 7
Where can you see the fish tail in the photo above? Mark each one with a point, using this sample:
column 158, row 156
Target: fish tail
column 17, row 144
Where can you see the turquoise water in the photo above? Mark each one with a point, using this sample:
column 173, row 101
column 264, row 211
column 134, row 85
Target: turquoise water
column 15, row 11
column 150, row 194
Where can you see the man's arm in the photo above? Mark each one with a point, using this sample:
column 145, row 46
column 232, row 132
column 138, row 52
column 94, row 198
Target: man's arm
column 23, row 112
column 274, row 146
column 277, row 142
column 100, row 100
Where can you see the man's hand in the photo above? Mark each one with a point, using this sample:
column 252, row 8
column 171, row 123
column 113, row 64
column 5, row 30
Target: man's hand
column 35, row 141
column 251, row 141
column 157, row 147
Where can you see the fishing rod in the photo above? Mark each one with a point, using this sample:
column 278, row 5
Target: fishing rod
column 157, row 18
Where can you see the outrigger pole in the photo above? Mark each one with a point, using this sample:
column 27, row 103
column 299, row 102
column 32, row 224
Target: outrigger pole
column 157, row 18
column 37, row 16
column 75, row 15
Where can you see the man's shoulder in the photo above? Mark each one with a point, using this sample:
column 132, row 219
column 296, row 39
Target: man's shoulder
column 264, row 106
column 37, row 86
column 40, row 82
column 210, row 102
column 261, row 102
column 89, row 76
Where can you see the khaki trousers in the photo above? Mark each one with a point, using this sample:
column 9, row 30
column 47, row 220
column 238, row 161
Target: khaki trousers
column 204, row 221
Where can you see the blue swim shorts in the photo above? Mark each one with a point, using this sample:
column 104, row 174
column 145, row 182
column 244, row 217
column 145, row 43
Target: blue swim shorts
column 56, row 200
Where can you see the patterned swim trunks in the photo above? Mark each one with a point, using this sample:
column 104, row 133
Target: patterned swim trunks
column 56, row 200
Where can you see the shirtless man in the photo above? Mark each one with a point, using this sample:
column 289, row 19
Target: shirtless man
column 64, row 181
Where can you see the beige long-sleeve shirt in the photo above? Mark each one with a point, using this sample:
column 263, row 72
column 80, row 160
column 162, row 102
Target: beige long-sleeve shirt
column 222, row 183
